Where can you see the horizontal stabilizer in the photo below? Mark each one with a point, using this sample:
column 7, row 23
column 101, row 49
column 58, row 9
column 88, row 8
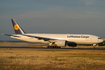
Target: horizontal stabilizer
column 7, row 35
column 10, row 35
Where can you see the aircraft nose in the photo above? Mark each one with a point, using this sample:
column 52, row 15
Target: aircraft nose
column 101, row 40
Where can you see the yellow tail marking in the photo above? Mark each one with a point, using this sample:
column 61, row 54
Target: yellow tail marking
column 16, row 27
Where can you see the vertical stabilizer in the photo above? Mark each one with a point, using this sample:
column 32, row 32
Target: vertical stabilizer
column 17, row 28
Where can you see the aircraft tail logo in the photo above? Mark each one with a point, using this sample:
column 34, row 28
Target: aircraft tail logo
column 17, row 28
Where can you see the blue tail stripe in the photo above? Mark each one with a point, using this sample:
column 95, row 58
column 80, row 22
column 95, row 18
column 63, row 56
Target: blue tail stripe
column 21, row 28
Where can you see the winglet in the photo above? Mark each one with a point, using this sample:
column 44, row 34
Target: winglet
column 17, row 28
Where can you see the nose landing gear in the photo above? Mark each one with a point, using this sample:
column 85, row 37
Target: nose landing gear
column 94, row 46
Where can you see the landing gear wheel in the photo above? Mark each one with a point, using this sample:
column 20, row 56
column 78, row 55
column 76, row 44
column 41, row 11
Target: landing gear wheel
column 59, row 47
column 53, row 47
column 93, row 47
column 48, row 46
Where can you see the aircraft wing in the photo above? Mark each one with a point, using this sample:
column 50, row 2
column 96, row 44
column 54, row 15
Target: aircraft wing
column 44, row 38
column 40, row 38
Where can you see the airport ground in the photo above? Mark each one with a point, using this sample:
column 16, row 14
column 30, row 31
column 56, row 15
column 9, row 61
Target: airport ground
column 50, row 59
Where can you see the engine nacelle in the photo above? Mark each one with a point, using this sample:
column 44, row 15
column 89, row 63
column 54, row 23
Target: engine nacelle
column 61, row 43
column 71, row 44
column 65, row 43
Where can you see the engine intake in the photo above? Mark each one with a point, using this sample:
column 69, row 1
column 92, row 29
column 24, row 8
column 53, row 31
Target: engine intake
column 71, row 44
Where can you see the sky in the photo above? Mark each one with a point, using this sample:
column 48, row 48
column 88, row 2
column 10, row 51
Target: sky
column 53, row 16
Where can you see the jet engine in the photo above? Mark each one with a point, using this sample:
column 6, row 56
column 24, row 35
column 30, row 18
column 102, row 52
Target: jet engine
column 65, row 43
column 60, row 43
column 73, row 44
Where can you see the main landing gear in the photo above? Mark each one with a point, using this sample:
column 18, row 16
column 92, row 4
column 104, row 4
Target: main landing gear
column 52, row 47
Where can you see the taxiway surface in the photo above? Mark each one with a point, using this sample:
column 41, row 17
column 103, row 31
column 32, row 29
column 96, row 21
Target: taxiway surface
column 28, row 47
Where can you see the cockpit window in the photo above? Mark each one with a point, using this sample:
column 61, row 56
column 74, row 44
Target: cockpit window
column 99, row 38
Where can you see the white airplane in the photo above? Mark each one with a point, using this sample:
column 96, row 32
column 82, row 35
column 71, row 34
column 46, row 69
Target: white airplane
column 54, row 40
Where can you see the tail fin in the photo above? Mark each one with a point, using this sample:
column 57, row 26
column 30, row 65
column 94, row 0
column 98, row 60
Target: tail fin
column 17, row 28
